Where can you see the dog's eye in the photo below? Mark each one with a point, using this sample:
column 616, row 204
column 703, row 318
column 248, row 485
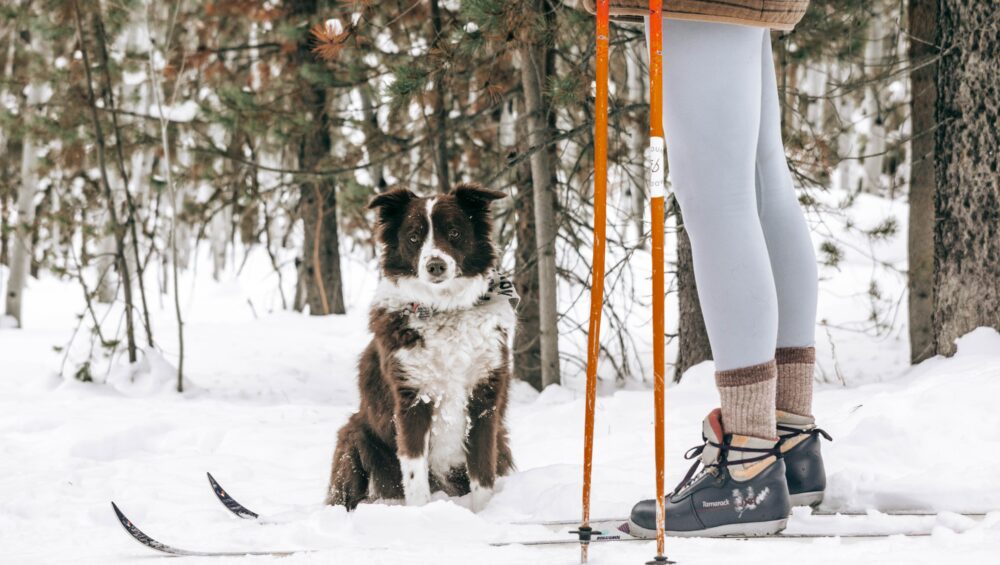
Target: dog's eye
column 414, row 239
column 452, row 233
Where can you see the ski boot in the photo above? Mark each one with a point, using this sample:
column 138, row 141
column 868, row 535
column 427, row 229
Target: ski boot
column 741, row 491
column 799, row 443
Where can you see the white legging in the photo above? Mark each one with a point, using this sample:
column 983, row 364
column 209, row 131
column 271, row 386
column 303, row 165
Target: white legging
column 753, row 256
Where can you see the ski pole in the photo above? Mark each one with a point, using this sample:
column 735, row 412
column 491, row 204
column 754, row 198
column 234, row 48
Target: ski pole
column 597, row 264
column 656, row 192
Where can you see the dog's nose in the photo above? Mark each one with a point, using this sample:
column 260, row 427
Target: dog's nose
column 436, row 267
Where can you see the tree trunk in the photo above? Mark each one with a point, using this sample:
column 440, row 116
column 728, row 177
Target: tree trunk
column 691, row 334
column 317, row 195
column 527, row 347
column 20, row 260
column 117, row 227
column 533, row 57
column 920, row 240
column 440, row 113
column 967, row 204
column 636, row 177
column 321, row 249
column 874, row 152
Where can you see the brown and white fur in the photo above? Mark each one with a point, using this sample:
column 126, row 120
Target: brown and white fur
column 434, row 378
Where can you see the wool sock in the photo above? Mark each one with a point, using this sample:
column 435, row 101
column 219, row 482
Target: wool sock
column 748, row 400
column 795, row 379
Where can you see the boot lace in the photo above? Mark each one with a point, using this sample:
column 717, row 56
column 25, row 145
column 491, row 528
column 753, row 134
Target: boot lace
column 787, row 433
column 723, row 461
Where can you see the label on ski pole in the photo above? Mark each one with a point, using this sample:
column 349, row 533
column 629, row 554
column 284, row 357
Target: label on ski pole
column 654, row 160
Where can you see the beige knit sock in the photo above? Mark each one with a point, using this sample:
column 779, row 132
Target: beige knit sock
column 748, row 400
column 795, row 379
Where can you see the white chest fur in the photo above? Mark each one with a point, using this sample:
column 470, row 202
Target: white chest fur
column 459, row 349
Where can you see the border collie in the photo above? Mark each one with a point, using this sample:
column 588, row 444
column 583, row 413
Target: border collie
column 434, row 378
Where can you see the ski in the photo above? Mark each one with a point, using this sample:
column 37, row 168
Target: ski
column 229, row 502
column 620, row 536
column 138, row 535
column 241, row 511
column 800, row 536
column 898, row 513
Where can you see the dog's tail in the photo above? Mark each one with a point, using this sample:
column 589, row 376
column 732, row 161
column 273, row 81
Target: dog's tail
column 348, row 476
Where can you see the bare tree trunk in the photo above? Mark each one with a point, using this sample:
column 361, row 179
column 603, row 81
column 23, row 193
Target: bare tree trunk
column 875, row 146
column 533, row 57
column 5, row 227
column 440, row 113
column 321, row 251
column 5, row 175
column 967, row 205
column 691, row 333
column 131, row 213
column 920, row 249
column 20, row 261
column 120, row 262
column 527, row 346
column 372, row 133
column 637, row 142
column 320, row 271
column 160, row 102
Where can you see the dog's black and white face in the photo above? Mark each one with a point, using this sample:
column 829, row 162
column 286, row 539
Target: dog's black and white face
column 436, row 241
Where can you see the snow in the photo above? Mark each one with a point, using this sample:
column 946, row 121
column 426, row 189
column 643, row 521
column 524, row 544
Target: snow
column 268, row 389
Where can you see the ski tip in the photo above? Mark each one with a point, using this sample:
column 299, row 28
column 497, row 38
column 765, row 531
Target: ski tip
column 229, row 502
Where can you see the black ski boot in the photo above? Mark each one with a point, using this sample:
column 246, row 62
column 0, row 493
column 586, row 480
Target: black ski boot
column 741, row 491
column 799, row 442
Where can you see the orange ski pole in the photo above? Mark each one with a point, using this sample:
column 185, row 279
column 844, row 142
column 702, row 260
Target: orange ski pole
column 656, row 192
column 597, row 265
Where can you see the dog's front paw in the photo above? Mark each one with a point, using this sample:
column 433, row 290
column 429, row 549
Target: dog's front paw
column 416, row 483
column 480, row 496
column 417, row 494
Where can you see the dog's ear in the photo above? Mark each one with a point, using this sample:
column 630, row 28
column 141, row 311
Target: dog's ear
column 391, row 203
column 475, row 197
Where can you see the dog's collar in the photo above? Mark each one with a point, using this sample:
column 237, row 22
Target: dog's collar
column 500, row 286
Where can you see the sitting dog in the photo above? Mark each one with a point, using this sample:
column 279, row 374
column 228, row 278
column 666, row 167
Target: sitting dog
column 434, row 378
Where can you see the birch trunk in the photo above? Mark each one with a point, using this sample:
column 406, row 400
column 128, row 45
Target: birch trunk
column 875, row 148
column 636, row 171
column 20, row 260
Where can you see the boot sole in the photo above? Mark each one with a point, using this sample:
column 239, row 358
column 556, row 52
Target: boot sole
column 806, row 499
column 751, row 529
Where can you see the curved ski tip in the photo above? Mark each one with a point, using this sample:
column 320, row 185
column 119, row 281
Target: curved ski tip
column 118, row 512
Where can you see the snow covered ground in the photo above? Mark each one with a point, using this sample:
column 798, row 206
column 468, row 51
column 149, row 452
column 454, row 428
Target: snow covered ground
column 268, row 390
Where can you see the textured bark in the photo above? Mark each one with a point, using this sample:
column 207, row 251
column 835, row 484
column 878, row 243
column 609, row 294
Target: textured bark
column 920, row 240
column 320, row 272
column 527, row 348
column 967, row 204
column 324, row 290
column 534, row 72
column 440, row 112
column 691, row 334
